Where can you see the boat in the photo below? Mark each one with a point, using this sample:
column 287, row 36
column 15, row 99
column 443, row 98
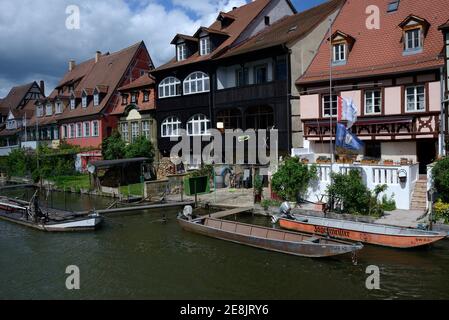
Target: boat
column 46, row 219
column 268, row 238
column 376, row 234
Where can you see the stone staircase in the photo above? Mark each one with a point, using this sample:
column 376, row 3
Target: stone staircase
column 419, row 197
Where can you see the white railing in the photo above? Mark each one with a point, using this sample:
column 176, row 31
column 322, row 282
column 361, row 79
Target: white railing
column 4, row 151
column 372, row 175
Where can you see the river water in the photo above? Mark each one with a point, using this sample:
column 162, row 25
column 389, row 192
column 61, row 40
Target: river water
column 137, row 256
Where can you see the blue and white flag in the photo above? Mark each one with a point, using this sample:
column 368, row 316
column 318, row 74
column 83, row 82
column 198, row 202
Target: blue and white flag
column 347, row 141
column 347, row 111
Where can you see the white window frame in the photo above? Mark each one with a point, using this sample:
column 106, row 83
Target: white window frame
column 412, row 33
column 181, row 51
column 56, row 133
column 86, row 125
column 331, row 109
column 371, row 95
column 415, row 96
column 64, row 132
column 135, row 130
column 58, row 107
column 96, row 99
column 339, row 52
column 72, row 131
column 48, row 107
column 40, row 111
column 194, row 81
column 95, row 128
column 84, row 101
column 170, row 127
column 79, row 130
column 198, row 125
column 72, row 103
column 134, row 97
column 146, row 129
column 205, row 46
column 169, row 87
column 125, row 133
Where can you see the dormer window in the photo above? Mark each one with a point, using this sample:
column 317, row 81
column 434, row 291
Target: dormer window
column 72, row 103
column 48, row 110
column 339, row 53
column 414, row 31
column 96, row 98
column 181, row 51
column 205, row 46
column 134, row 97
column 146, row 96
column 84, row 100
column 124, row 99
column 58, row 108
column 40, row 111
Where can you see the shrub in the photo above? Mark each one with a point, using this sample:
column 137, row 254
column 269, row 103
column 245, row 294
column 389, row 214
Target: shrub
column 388, row 204
column 113, row 147
column 267, row 203
column 441, row 210
column 440, row 175
column 140, row 148
column 292, row 179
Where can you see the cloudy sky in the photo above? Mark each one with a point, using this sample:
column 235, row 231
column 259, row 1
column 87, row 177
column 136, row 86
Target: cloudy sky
column 35, row 43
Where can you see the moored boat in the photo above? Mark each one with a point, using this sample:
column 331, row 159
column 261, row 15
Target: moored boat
column 377, row 234
column 268, row 238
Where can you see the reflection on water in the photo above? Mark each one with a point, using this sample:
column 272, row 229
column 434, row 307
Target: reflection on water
column 138, row 256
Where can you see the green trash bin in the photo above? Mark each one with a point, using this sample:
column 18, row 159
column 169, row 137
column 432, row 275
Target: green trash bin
column 200, row 184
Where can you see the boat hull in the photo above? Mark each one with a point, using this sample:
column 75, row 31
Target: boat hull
column 288, row 247
column 386, row 240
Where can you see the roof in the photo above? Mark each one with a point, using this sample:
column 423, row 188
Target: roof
column 113, row 163
column 380, row 52
column 444, row 26
column 105, row 75
column 243, row 15
column 144, row 81
column 287, row 30
column 184, row 37
column 15, row 96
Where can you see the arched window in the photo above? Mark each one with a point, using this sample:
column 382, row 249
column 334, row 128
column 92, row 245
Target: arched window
column 198, row 125
column 170, row 127
column 196, row 82
column 169, row 87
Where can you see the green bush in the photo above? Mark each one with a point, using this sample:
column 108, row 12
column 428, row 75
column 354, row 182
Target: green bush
column 267, row 203
column 388, row 204
column 440, row 173
column 140, row 148
column 113, row 147
column 441, row 210
column 292, row 179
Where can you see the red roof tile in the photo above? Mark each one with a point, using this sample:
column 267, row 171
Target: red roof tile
column 144, row 81
column 379, row 52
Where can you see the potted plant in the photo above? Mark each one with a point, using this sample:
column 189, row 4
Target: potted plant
column 388, row 162
column 323, row 160
column 258, row 189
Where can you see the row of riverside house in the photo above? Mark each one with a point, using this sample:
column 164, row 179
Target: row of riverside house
column 263, row 66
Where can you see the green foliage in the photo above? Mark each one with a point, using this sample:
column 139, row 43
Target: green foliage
column 140, row 148
column 113, row 147
column 17, row 163
column 258, row 185
column 206, row 170
column 388, row 204
column 354, row 196
column 441, row 210
column 440, row 173
column 267, row 203
column 293, row 178
column 76, row 182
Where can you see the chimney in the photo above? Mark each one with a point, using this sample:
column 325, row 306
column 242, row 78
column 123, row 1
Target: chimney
column 71, row 65
column 42, row 86
column 233, row 8
column 97, row 56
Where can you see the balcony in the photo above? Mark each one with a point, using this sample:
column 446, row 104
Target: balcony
column 250, row 93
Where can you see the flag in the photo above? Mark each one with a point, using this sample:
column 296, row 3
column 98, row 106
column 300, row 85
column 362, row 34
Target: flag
column 346, row 141
column 347, row 111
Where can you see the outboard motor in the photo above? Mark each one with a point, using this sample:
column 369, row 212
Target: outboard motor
column 187, row 213
column 284, row 211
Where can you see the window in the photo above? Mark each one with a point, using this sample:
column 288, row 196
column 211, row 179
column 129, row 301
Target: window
column 79, row 128
column 330, row 105
column 413, row 40
column 181, row 51
column 146, row 96
column 134, row 131
column 48, row 134
column 48, row 109
column 169, row 87
column 95, row 128
column 125, row 132
column 125, row 99
column 86, row 129
column 84, row 101
column 267, row 20
column 72, row 131
column 205, row 46
column 40, row 111
column 58, row 107
column 72, row 103
column 198, row 125
column 373, row 102
column 260, row 74
column 11, row 124
column 96, row 99
column 393, row 6
column 281, row 68
column 415, row 99
column 196, row 82
column 241, row 77
column 339, row 53
column 133, row 97
column 146, row 129
column 373, row 150
column 64, row 132
column 55, row 133
column 170, row 127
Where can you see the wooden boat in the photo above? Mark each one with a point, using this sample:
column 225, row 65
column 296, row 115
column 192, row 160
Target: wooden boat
column 267, row 238
column 51, row 220
column 377, row 234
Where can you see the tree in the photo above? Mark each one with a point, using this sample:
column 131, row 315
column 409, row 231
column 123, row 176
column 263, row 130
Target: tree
column 440, row 173
column 292, row 179
column 113, row 147
column 140, row 148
